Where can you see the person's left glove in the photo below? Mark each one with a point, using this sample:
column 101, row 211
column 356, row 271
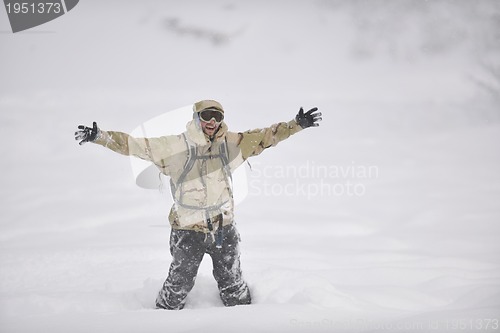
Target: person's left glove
column 87, row 134
column 308, row 119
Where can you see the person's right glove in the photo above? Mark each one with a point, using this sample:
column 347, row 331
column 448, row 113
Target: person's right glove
column 87, row 134
column 308, row 119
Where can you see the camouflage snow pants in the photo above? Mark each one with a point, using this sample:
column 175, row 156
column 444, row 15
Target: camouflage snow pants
column 188, row 248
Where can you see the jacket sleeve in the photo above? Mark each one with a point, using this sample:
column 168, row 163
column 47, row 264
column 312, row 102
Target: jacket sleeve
column 149, row 149
column 254, row 142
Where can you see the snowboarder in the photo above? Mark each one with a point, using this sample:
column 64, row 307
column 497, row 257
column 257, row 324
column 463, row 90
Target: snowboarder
column 199, row 163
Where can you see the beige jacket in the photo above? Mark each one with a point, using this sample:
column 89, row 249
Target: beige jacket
column 204, row 191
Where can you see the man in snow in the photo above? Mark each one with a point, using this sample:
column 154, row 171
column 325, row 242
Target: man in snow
column 199, row 163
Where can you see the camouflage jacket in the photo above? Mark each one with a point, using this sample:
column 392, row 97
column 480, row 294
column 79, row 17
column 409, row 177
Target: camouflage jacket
column 203, row 189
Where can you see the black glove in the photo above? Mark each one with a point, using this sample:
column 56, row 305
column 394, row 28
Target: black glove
column 87, row 134
column 308, row 119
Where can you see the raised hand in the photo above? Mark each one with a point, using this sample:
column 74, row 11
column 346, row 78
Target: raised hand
column 308, row 119
column 87, row 134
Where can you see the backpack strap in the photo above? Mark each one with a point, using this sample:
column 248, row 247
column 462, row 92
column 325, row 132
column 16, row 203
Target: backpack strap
column 192, row 151
column 224, row 155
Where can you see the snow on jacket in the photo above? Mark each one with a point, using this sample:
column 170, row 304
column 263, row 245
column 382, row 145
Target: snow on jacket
column 204, row 191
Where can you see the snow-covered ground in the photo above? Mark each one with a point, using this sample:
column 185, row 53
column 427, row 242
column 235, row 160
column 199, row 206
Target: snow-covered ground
column 385, row 218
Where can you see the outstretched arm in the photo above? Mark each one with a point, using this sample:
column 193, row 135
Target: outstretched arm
column 254, row 142
column 121, row 143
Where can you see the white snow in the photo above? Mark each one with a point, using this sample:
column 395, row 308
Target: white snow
column 406, row 87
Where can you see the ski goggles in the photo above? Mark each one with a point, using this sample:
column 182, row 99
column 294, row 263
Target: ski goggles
column 208, row 114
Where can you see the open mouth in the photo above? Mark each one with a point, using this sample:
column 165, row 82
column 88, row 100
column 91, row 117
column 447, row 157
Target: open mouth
column 210, row 127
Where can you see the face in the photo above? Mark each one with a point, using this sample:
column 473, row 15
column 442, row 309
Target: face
column 209, row 128
column 210, row 121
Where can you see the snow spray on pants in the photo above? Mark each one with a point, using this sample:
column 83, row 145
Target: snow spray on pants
column 188, row 248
